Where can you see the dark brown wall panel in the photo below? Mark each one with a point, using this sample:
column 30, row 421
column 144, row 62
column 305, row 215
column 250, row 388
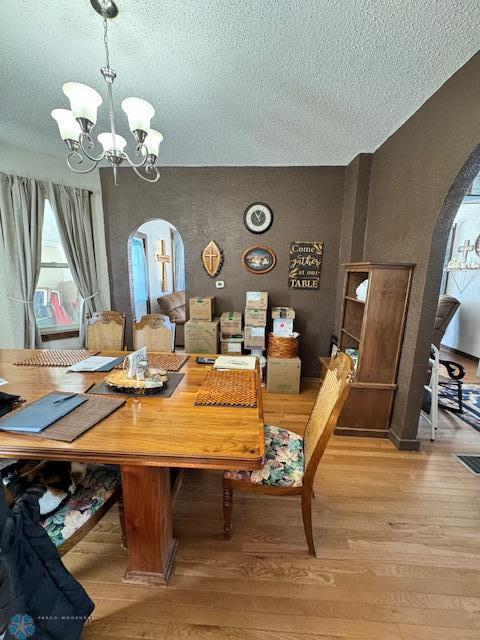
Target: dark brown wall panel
column 208, row 203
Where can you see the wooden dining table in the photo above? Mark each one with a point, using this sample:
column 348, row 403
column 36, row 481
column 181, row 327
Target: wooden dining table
column 145, row 437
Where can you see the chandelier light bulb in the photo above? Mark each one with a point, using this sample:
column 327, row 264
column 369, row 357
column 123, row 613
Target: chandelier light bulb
column 112, row 142
column 67, row 125
column 84, row 101
column 139, row 113
column 152, row 141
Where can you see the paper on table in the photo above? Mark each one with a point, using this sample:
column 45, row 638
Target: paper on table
column 236, row 362
column 94, row 363
column 2, row 381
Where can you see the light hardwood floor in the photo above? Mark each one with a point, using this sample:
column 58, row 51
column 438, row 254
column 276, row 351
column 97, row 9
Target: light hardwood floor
column 398, row 540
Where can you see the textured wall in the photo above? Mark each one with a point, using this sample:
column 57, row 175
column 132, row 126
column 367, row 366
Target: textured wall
column 208, row 203
column 415, row 191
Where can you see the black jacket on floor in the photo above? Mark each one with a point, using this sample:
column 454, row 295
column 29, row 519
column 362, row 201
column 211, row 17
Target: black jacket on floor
column 33, row 579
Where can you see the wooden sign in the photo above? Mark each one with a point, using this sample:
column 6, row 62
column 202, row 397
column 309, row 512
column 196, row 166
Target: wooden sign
column 304, row 266
column 212, row 258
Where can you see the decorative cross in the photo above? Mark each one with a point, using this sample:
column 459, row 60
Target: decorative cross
column 465, row 249
column 163, row 259
column 211, row 257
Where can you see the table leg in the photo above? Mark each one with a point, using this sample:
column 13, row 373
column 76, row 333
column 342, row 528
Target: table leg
column 148, row 524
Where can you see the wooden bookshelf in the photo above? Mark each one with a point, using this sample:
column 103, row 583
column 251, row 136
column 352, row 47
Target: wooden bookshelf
column 374, row 327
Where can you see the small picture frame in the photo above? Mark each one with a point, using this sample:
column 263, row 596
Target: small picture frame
column 259, row 259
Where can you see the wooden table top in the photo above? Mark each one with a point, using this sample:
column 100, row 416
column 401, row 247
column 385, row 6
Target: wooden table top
column 155, row 431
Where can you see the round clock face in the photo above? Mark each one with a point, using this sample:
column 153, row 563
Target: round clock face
column 258, row 218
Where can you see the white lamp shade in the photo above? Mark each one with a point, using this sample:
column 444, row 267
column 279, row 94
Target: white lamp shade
column 84, row 101
column 108, row 143
column 152, row 141
column 67, row 125
column 139, row 113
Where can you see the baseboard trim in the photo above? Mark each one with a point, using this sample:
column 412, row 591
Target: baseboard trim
column 444, row 347
column 362, row 433
column 403, row 444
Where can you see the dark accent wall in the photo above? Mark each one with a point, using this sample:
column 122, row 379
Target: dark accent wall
column 208, row 203
column 354, row 219
column 419, row 176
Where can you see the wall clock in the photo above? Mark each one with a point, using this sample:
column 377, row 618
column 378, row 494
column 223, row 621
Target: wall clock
column 258, row 217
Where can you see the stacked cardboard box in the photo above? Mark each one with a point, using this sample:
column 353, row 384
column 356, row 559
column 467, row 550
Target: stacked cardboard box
column 256, row 319
column 231, row 334
column 283, row 374
column 283, row 318
column 202, row 308
column 201, row 336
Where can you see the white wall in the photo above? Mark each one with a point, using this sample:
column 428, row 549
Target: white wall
column 156, row 230
column 25, row 163
column 463, row 332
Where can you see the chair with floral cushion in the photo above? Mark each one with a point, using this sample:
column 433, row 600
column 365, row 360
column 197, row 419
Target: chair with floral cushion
column 290, row 460
column 96, row 494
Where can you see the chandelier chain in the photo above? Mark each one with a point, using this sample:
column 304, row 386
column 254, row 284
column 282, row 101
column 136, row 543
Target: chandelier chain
column 105, row 41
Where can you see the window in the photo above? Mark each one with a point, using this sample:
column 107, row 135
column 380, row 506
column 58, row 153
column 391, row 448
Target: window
column 56, row 302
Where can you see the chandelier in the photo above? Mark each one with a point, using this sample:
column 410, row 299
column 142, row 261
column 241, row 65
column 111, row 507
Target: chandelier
column 75, row 124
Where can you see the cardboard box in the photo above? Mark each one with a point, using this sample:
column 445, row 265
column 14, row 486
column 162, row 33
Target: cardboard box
column 282, row 327
column 283, row 375
column 231, row 322
column 255, row 317
column 231, row 348
column 257, row 300
column 202, row 308
column 201, row 336
column 283, row 312
column 254, row 337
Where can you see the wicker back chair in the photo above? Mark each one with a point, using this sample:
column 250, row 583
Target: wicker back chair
column 294, row 461
column 155, row 332
column 106, row 331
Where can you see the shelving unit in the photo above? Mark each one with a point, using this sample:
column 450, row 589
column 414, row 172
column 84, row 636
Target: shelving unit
column 375, row 328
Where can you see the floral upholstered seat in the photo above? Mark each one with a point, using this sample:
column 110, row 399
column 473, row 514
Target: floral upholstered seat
column 97, row 487
column 284, row 461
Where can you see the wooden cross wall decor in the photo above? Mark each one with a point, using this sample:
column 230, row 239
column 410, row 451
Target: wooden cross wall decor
column 212, row 258
column 465, row 248
column 163, row 259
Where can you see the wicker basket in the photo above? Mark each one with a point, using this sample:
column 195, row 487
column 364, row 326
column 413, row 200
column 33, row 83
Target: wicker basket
column 282, row 346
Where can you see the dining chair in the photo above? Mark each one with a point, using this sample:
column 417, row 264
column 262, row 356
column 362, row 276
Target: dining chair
column 106, row 331
column 94, row 496
column 291, row 461
column 155, row 332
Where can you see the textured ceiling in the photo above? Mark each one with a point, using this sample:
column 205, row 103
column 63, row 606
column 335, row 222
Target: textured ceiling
column 237, row 82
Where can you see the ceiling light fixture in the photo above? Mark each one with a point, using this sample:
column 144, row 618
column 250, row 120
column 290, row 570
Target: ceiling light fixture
column 76, row 123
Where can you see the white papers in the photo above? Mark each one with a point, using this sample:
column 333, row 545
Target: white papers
column 2, row 381
column 254, row 296
column 94, row 363
column 236, row 362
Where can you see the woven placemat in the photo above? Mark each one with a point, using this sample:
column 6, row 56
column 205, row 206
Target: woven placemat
column 55, row 358
column 228, row 389
column 81, row 419
column 167, row 361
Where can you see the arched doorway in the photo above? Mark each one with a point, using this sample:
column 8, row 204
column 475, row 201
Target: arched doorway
column 434, row 274
column 156, row 265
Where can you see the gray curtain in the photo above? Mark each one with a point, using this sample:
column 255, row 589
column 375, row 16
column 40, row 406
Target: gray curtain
column 73, row 212
column 21, row 221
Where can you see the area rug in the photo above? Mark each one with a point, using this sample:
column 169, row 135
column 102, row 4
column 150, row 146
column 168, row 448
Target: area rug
column 471, row 403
